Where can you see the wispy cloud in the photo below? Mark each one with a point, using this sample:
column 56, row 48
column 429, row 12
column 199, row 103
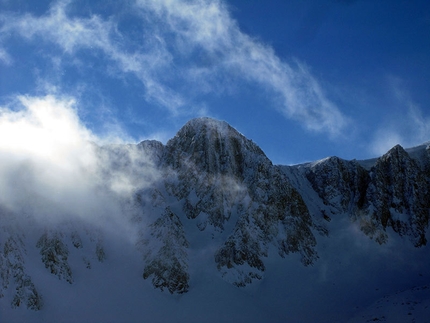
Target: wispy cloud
column 205, row 28
column 421, row 125
column 409, row 127
column 5, row 57
column 72, row 34
column 188, row 48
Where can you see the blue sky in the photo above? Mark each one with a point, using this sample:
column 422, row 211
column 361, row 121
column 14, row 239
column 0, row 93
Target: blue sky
column 303, row 79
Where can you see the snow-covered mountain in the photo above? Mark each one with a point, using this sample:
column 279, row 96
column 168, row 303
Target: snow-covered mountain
column 206, row 228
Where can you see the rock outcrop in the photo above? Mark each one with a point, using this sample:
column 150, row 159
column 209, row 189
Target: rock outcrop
column 211, row 180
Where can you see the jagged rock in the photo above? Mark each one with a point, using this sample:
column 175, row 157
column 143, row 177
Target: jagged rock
column 153, row 150
column 165, row 254
column 210, row 178
column 394, row 192
column 208, row 158
column 244, row 246
column 100, row 252
column 339, row 183
column 399, row 195
column 13, row 275
column 76, row 240
column 54, row 255
column 217, row 171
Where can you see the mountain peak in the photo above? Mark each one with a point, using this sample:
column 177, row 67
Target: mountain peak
column 205, row 126
column 208, row 121
column 202, row 134
column 397, row 152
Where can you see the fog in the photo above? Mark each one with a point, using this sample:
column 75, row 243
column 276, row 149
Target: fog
column 54, row 169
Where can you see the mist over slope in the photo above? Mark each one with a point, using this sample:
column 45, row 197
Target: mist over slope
column 206, row 228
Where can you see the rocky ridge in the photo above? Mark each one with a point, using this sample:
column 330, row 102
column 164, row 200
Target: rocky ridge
column 209, row 178
column 393, row 193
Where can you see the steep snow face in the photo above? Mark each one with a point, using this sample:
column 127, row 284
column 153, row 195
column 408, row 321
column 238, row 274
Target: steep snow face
column 393, row 193
column 224, row 180
column 29, row 250
column 15, row 281
column 399, row 193
column 214, row 147
column 209, row 217
column 165, row 254
column 339, row 183
column 410, row 305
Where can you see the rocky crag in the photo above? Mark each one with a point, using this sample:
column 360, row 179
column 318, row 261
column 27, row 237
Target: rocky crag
column 210, row 179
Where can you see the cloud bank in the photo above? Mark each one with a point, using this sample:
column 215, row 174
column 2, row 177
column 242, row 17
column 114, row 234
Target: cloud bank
column 52, row 170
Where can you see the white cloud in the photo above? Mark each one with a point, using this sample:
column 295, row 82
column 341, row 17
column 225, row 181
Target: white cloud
column 52, row 170
column 419, row 124
column 384, row 140
column 188, row 47
column 204, row 25
column 410, row 127
column 43, row 150
column 5, row 57
column 94, row 33
column 41, row 127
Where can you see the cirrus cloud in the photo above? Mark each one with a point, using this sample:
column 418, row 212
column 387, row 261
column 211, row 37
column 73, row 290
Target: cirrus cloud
column 187, row 48
column 204, row 26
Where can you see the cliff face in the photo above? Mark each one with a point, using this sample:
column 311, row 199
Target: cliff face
column 226, row 183
column 393, row 193
column 221, row 179
column 210, row 180
column 399, row 196
column 14, row 278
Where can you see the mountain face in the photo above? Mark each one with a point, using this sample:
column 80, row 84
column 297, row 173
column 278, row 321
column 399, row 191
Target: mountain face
column 393, row 193
column 220, row 176
column 213, row 195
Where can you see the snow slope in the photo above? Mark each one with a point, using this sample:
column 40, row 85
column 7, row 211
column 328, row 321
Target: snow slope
column 207, row 229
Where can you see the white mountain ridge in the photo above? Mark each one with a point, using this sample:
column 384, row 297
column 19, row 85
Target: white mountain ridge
column 215, row 225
